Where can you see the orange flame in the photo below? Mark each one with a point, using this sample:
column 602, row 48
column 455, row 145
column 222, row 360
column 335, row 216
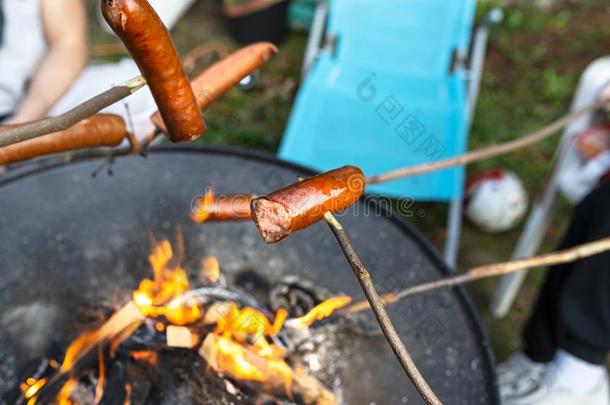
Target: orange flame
column 30, row 388
column 322, row 311
column 240, row 345
column 204, row 207
column 210, row 270
column 249, row 325
column 156, row 297
column 128, row 392
column 63, row 398
column 147, row 356
column 243, row 362
column 101, row 376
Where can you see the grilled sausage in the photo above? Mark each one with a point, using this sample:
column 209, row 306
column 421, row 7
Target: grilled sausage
column 223, row 208
column 98, row 130
column 219, row 78
column 304, row 203
column 148, row 41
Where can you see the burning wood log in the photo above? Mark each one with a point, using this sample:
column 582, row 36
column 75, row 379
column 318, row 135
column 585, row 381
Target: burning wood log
column 273, row 376
column 210, row 270
column 180, row 337
column 84, row 350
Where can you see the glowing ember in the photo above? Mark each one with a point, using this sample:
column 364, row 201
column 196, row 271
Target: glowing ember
column 147, row 356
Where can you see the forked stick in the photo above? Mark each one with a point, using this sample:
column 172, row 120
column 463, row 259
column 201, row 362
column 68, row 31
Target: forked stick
column 376, row 304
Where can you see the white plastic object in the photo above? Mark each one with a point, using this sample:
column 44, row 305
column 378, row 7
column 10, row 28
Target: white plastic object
column 496, row 201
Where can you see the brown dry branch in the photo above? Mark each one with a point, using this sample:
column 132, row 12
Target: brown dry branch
column 376, row 303
column 488, row 152
column 126, row 318
column 72, row 117
column 493, row 270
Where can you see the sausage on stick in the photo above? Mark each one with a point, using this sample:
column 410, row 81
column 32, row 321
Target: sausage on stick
column 302, row 204
column 219, row 78
column 98, row 130
column 149, row 43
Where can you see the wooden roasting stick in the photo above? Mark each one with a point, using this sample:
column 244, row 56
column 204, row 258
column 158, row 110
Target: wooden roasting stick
column 488, row 152
column 62, row 133
column 493, row 270
column 271, row 376
column 107, row 130
column 23, row 132
column 306, row 202
column 470, row 157
column 376, row 304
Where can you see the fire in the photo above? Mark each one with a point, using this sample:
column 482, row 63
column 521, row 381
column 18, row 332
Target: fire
column 248, row 325
column 210, row 270
column 63, row 398
column 157, row 297
column 242, row 344
column 243, row 362
column 203, row 209
column 322, row 310
column 101, row 376
column 147, row 356
column 30, row 388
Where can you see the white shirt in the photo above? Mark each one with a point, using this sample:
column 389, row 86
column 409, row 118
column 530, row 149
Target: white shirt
column 23, row 47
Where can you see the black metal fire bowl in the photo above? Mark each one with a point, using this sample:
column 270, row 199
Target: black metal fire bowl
column 69, row 240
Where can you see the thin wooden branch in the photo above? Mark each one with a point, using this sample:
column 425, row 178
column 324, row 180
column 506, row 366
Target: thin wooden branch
column 493, row 270
column 123, row 319
column 488, row 152
column 66, row 120
column 376, row 303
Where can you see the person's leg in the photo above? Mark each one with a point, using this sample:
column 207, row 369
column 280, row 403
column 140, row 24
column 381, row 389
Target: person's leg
column 585, row 299
column 545, row 327
column 569, row 330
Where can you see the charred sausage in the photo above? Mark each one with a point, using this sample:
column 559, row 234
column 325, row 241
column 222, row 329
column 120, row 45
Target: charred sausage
column 219, row 78
column 98, row 130
column 148, row 41
column 302, row 204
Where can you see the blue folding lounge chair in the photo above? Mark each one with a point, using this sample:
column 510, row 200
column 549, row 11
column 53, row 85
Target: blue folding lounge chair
column 387, row 86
